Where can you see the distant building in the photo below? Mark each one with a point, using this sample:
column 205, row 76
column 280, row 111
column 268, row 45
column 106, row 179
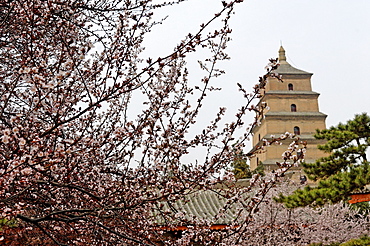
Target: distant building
column 293, row 108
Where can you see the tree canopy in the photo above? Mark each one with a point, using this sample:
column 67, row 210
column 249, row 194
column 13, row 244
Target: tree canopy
column 344, row 171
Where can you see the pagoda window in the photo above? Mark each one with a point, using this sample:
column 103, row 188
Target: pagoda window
column 290, row 87
column 297, row 131
column 293, row 108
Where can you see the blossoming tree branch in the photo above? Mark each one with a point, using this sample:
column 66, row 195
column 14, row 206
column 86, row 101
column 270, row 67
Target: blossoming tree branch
column 80, row 162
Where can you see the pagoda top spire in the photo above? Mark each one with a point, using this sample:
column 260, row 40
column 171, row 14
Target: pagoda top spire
column 285, row 67
column 282, row 56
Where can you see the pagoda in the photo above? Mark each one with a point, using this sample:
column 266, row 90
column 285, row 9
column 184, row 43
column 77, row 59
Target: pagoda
column 293, row 107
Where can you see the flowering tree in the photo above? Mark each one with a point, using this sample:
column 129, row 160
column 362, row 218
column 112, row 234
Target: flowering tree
column 274, row 224
column 80, row 162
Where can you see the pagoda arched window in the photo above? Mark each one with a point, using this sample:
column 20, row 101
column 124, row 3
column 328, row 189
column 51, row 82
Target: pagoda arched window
column 293, row 108
column 290, row 87
column 297, row 131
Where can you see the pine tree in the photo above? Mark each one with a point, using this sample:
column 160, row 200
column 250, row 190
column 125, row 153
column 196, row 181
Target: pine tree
column 345, row 171
column 240, row 167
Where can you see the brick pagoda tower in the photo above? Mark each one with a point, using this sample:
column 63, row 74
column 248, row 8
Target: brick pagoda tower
column 293, row 108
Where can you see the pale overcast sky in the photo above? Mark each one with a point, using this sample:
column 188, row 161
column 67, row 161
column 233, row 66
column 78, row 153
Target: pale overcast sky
column 328, row 38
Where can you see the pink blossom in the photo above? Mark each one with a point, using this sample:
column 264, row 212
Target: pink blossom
column 5, row 139
column 6, row 132
column 22, row 141
column 26, row 171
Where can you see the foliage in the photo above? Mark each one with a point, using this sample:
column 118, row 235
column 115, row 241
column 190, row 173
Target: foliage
column 94, row 133
column 362, row 207
column 5, row 222
column 344, row 171
column 241, row 169
column 260, row 170
column 362, row 241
